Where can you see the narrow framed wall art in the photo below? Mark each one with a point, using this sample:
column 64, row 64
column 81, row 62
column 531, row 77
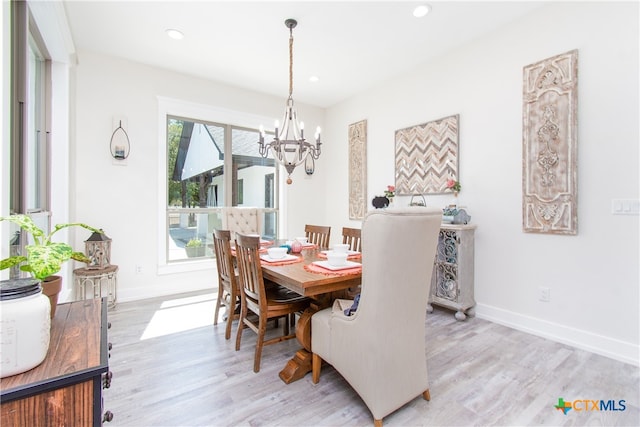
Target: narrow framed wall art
column 549, row 145
column 358, row 170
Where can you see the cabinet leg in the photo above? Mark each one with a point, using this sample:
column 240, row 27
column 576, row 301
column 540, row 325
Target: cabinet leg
column 460, row 315
column 429, row 308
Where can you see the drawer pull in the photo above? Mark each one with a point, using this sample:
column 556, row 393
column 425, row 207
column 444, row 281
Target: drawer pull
column 106, row 383
column 108, row 416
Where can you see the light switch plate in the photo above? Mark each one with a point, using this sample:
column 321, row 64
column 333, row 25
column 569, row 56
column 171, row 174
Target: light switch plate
column 625, row 207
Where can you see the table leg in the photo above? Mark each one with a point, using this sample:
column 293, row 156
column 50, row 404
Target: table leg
column 300, row 364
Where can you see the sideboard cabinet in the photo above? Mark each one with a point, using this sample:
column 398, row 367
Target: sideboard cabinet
column 66, row 388
column 452, row 278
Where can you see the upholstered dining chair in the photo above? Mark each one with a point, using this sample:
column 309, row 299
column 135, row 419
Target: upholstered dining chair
column 244, row 220
column 318, row 234
column 351, row 237
column 266, row 302
column 380, row 349
column 228, row 290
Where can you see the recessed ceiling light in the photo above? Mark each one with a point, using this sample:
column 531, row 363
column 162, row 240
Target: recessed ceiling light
column 421, row 10
column 314, row 79
column 175, row 34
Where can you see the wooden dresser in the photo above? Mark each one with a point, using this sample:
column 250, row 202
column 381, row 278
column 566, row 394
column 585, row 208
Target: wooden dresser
column 66, row 388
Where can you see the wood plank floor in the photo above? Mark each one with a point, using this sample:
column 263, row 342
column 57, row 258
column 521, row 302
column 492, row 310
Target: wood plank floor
column 172, row 367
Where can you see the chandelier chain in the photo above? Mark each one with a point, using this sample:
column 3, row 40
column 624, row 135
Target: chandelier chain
column 290, row 62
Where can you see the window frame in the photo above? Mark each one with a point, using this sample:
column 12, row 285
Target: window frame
column 171, row 107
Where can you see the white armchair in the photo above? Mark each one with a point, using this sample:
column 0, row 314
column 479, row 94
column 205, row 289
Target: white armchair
column 380, row 350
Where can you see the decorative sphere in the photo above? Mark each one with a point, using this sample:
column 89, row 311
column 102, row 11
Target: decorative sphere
column 289, row 180
column 296, row 247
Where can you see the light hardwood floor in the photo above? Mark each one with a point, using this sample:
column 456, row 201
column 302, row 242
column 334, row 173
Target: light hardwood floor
column 172, row 367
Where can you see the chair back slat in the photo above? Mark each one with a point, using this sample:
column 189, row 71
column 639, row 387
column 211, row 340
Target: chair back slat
column 318, row 234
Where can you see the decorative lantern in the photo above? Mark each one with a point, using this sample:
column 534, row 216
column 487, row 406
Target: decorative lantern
column 98, row 250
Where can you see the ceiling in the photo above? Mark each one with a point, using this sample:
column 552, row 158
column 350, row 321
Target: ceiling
column 348, row 45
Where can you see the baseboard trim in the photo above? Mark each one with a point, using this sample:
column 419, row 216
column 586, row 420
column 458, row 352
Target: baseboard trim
column 578, row 338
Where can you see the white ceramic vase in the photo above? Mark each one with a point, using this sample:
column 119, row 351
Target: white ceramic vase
column 25, row 326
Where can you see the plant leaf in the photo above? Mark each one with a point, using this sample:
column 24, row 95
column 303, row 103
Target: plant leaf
column 26, row 223
column 10, row 262
column 47, row 260
column 79, row 256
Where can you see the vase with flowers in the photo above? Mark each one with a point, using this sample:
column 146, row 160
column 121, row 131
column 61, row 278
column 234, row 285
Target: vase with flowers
column 390, row 193
column 454, row 186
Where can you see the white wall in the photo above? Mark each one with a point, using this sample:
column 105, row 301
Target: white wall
column 593, row 276
column 126, row 198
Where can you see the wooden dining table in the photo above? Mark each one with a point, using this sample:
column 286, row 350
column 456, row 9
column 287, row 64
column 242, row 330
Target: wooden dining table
column 322, row 286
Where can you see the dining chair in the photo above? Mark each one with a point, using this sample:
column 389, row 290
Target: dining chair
column 318, row 234
column 240, row 219
column 351, row 237
column 380, row 349
column 266, row 302
column 228, row 290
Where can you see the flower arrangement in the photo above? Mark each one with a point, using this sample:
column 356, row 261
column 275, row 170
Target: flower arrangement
column 390, row 192
column 453, row 185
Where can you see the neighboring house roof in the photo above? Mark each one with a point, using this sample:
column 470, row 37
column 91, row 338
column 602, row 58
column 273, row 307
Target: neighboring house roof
column 201, row 150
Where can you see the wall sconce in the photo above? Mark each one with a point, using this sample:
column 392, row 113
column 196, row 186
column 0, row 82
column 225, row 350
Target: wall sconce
column 98, row 250
column 119, row 144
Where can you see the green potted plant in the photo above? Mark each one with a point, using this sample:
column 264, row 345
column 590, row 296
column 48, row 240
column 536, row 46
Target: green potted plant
column 44, row 258
column 195, row 248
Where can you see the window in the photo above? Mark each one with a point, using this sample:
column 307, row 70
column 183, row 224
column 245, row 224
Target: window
column 240, row 191
column 201, row 180
column 29, row 115
column 30, row 118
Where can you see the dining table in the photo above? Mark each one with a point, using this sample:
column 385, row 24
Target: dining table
column 323, row 285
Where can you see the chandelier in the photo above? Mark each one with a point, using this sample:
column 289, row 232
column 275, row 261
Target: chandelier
column 289, row 147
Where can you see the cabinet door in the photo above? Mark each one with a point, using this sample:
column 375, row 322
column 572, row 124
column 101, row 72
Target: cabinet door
column 445, row 273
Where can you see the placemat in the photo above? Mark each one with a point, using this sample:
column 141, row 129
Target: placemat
column 351, row 256
column 289, row 261
column 317, row 269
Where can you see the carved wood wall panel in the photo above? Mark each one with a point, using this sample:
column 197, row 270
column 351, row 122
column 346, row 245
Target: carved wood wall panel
column 358, row 170
column 426, row 156
column 549, row 179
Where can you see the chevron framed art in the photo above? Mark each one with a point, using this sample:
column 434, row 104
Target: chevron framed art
column 427, row 156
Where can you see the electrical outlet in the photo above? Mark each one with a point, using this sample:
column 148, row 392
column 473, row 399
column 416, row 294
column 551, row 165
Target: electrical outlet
column 544, row 294
column 138, row 269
